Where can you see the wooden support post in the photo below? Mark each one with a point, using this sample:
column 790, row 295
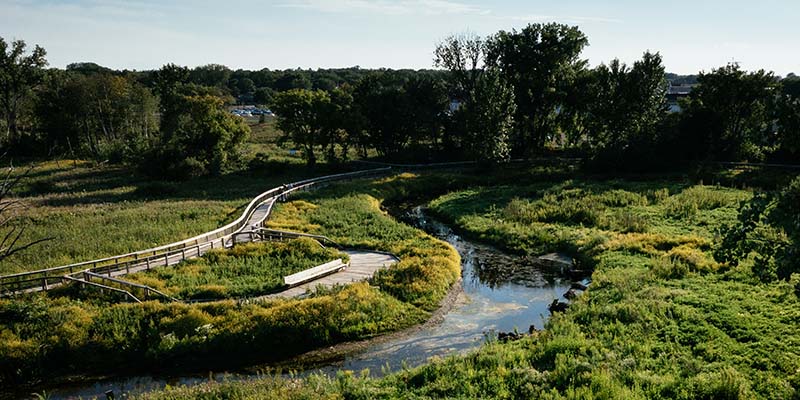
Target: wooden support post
column 183, row 254
column 166, row 259
column 198, row 250
column 44, row 283
column 147, row 262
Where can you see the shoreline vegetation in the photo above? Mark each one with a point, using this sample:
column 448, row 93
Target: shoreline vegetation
column 662, row 319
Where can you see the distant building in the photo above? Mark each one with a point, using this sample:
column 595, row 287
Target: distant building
column 675, row 93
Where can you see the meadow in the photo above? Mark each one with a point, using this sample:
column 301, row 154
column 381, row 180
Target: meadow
column 44, row 335
column 662, row 319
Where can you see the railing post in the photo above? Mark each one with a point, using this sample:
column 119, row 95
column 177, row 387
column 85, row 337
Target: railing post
column 44, row 283
column 198, row 250
column 166, row 259
column 147, row 262
column 183, row 254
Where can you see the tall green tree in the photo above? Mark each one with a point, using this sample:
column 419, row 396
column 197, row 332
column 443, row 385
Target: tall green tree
column 380, row 99
column 489, row 117
column 303, row 116
column 210, row 75
column 167, row 84
column 19, row 74
column 463, row 56
column 628, row 105
column 426, row 104
column 98, row 115
column 728, row 113
column 206, row 139
column 539, row 62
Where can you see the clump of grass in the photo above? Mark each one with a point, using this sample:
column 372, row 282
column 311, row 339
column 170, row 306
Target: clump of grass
column 686, row 204
column 654, row 244
column 626, row 221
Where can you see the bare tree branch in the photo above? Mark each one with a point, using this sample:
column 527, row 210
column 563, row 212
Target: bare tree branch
column 11, row 228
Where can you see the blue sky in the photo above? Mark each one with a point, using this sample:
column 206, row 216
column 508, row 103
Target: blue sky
column 144, row 34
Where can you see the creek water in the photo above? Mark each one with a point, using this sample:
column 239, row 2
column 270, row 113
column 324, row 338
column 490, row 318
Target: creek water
column 501, row 293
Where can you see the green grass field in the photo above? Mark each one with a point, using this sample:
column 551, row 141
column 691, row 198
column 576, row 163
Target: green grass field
column 93, row 211
column 661, row 320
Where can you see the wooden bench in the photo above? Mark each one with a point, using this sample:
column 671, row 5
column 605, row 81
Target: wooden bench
column 314, row 273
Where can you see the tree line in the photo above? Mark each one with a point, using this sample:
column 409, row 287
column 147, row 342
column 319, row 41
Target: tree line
column 514, row 94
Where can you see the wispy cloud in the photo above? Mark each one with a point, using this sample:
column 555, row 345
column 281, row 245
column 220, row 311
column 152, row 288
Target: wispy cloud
column 571, row 19
column 387, row 7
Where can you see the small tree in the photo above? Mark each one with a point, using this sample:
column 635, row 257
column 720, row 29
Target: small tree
column 728, row 111
column 769, row 226
column 302, row 115
column 628, row 106
column 206, row 140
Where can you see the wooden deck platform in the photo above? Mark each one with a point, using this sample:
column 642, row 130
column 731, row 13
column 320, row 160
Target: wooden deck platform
column 363, row 265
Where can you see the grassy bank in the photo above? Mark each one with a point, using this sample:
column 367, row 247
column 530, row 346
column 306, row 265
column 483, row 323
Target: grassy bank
column 662, row 319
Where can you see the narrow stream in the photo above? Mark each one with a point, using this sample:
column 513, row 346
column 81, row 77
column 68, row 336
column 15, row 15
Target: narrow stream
column 501, row 293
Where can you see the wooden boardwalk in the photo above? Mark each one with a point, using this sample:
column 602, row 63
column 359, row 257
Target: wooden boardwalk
column 363, row 265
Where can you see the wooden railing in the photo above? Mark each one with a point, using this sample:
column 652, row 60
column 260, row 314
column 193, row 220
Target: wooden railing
column 147, row 291
column 171, row 253
column 266, row 234
column 125, row 293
